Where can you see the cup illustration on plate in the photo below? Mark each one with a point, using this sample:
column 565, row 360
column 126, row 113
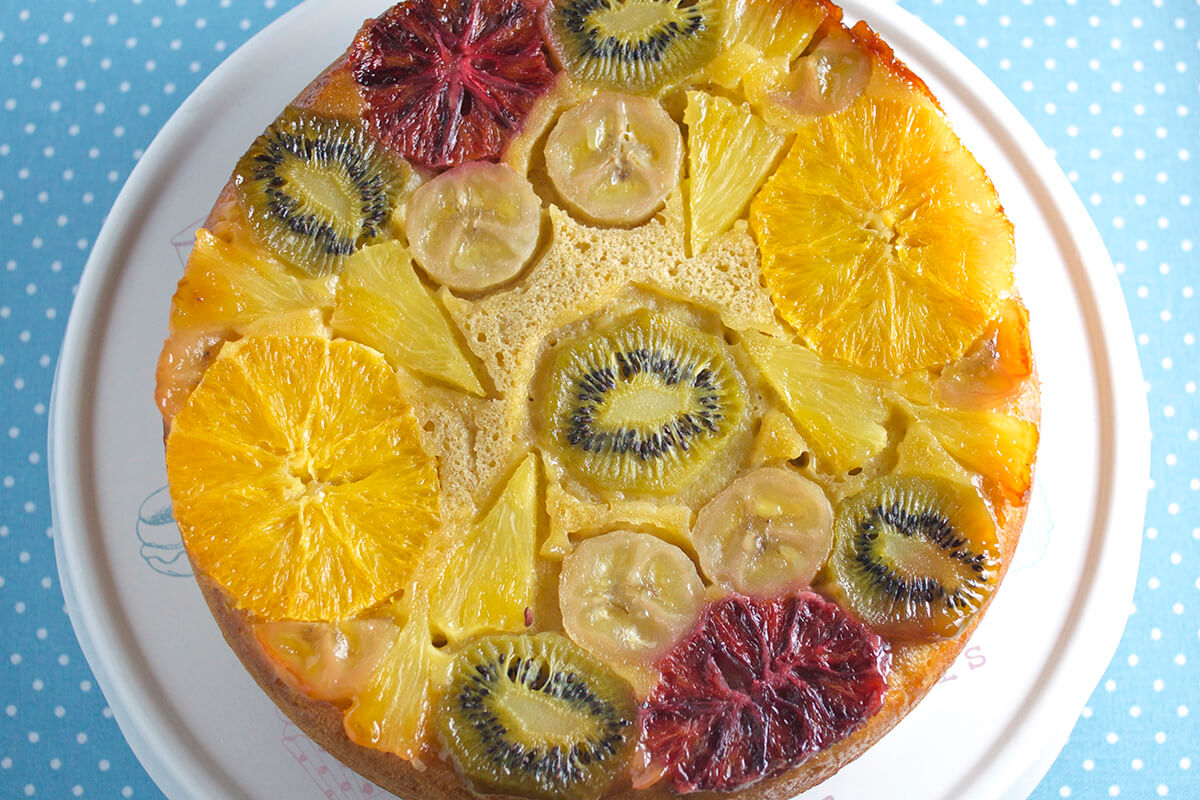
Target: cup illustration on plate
column 161, row 545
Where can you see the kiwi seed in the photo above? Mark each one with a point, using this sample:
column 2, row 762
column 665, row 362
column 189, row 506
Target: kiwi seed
column 633, row 45
column 535, row 716
column 915, row 555
column 642, row 405
column 315, row 189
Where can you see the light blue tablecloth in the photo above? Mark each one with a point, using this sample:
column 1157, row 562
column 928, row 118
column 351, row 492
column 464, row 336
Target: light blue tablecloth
column 1111, row 85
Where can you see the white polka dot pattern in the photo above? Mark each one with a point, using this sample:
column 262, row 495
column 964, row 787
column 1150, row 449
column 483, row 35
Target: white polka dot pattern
column 86, row 86
column 1111, row 86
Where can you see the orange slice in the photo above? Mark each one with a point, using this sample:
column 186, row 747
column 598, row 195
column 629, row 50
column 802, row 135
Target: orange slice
column 298, row 480
column 883, row 241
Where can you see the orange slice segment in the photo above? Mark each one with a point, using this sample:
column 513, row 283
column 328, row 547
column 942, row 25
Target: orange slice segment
column 883, row 241
column 298, row 480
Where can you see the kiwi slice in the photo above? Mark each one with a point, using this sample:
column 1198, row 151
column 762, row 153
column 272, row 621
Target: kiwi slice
column 636, row 46
column 535, row 716
column 315, row 189
column 642, row 405
column 916, row 556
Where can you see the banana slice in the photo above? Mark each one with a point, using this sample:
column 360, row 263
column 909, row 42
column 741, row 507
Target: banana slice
column 629, row 597
column 767, row 533
column 475, row 226
column 615, row 158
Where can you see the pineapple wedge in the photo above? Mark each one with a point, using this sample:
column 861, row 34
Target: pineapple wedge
column 381, row 667
column 382, row 303
column 920, row 453
column 490, row 578
column 777, row 439
column 998, row 446
column 840, row 412
column 391, row 713
column 776, row 29
column 730, row 152
column 233, row 285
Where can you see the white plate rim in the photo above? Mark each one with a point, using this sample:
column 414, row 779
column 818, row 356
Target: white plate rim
column 1124, row 444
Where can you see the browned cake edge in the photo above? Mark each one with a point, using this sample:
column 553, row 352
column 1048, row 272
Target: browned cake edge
column 915, row 670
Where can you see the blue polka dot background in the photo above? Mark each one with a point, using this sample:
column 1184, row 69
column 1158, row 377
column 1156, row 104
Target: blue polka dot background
column 1110, row 85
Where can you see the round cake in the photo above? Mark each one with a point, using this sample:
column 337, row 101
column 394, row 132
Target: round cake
column 601, row 398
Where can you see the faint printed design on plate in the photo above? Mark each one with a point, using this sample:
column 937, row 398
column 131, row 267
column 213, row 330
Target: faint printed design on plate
column 970, row 659
column 333, row 779
column 160, row 543
column 185, row 239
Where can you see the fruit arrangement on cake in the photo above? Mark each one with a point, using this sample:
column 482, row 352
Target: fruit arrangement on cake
column 596, row 398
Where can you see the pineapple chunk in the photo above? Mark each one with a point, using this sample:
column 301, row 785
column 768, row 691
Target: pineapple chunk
column 569, row 515
column 392, row 712
column 746, row 65
column 998, row 446
column 382, row 303
column 777, row 27
column 490, row 578
column 921, row 453
column 235, row 285
column 730, row 152
column 777, row 439
column 840, row 412
column 308, row 322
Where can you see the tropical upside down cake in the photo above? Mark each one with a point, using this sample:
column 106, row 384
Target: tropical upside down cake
column 601, row 398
